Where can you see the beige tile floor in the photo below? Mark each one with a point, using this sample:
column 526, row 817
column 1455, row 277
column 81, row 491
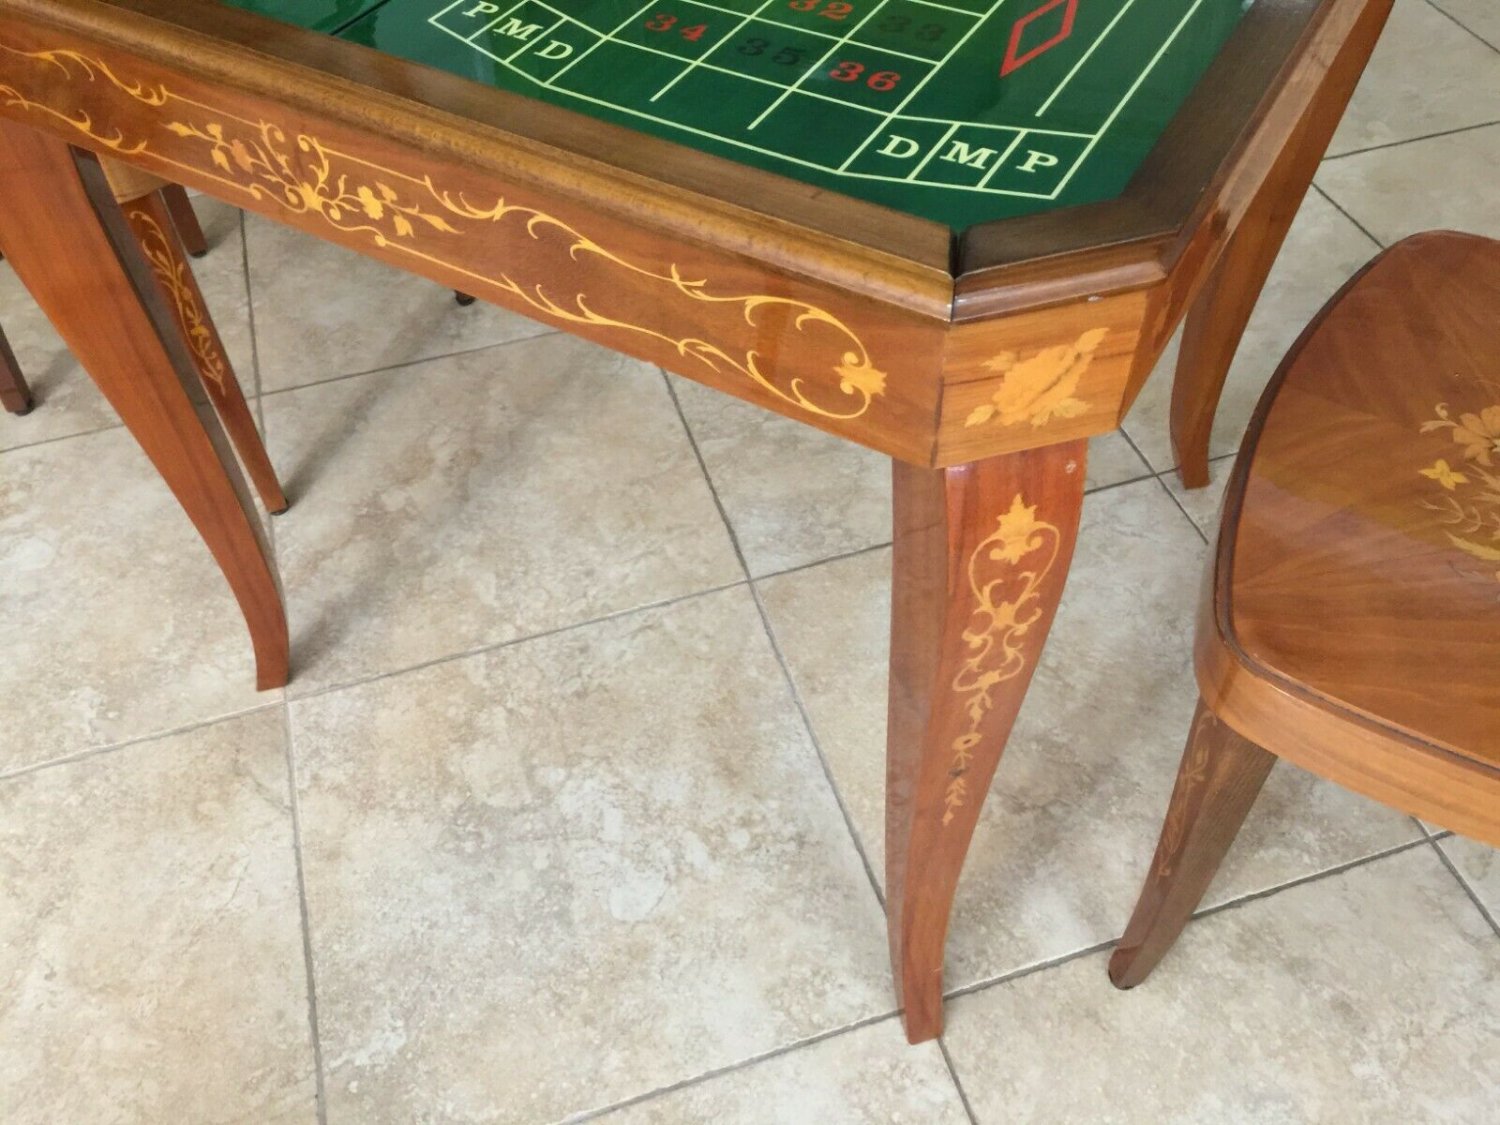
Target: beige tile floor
column 572, row 808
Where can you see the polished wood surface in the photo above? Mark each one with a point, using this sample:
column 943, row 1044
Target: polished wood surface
column 1352, row 624
column 15, row 395
column 68, row 243
column 185, row 219
column 150, row 220
column 815, row 311
column 981, row 556
column 1221, row 775
column 981, row 364
column 1216, row 324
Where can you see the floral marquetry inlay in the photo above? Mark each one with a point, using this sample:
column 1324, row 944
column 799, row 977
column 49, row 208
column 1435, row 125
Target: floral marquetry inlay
column 176, row 282
column 414, row 215
column 1005, row 576
column 1467, row 500
column 1040, row 388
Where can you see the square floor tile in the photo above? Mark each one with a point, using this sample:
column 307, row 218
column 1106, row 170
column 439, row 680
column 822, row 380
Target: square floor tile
column 795, row 495
column 1428, row 75
column 479, row 498
column 1370, row 996
column 151, row 941
column 1445, row 182
column 1323, row 250
column 858, row 1078
column 1482, row 17
column 322, row 311
column 573, row 870
column 67, row 402
column 1077, row 805
column 115, row 621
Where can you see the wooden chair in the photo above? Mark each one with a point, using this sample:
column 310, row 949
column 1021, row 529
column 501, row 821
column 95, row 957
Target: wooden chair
column 1352, row 621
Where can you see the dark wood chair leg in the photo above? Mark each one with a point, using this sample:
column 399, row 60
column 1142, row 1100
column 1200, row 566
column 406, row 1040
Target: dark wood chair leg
column 463, row 299
column 981, row 557
column 15, row 395
column 1217, row 322
column 149, row 220
column 1220, row 777
column 185, row 219
column 68, row 241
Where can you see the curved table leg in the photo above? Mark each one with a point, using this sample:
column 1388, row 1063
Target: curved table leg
column 68, row 242
column 150, row 221
column 1218, row 319
column 982, row 552
column 15, row 395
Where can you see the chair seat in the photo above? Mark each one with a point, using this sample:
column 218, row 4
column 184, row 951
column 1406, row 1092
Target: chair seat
column 1360, row 565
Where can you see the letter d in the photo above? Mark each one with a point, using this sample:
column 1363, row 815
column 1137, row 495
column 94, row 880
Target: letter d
column 902, row 148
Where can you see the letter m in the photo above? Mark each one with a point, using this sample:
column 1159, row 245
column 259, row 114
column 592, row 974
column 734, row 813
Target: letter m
column 960, row 153
column 513, row 28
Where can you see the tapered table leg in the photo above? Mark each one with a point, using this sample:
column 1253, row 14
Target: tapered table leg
column 15, row 395
column 150, row 222
column 68, row 242
column 981, row 556
column 185, row 219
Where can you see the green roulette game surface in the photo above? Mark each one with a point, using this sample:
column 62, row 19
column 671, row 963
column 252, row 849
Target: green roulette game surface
column 959, row 111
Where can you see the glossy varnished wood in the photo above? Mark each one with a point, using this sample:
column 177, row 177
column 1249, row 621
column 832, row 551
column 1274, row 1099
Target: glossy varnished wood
column 1221, row 775
column 62, row 231
column 185, row 219
column 151, row 221
column 1216, row 324
column 15, row 395
column 1352, row 623
column 981, row 556
column 841, row 315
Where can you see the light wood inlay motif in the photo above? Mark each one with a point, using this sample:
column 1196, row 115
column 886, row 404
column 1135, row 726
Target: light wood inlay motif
column 1468, row 503
column 1041, row 388
column 1005, row 575
column 306, row 177
column 172, row 273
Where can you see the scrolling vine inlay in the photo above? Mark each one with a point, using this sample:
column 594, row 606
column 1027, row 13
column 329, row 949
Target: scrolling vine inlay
column 403, row 212
column 1005, row 573
column 171, row 271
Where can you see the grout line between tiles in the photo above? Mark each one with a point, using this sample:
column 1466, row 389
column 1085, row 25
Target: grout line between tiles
column 1326, row 873
column 1416, row 140
column 124, row 744
column 1342, row 210
column 1464, row 883
column 765, row 621
column 1161, row 479
column 510, row 642
column 305, row 918
column 402, row 366
column 1449, row 15
column 719, row 1072
column 963, row 1095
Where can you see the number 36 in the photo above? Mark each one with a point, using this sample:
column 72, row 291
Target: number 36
column 881, row 80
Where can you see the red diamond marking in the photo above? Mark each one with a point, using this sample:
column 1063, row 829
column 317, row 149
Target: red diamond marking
column 1013, row 60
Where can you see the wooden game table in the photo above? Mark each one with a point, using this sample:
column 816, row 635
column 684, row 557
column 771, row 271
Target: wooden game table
column 960, row 232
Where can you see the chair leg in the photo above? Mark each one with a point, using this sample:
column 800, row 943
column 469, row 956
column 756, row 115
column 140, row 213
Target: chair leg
column 1220, row 777
column 15, row 395
column 149, row 220
column 185, row 219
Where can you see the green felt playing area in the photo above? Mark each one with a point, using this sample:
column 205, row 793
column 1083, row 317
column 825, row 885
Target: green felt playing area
column 961, row 111
column 320, row 15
